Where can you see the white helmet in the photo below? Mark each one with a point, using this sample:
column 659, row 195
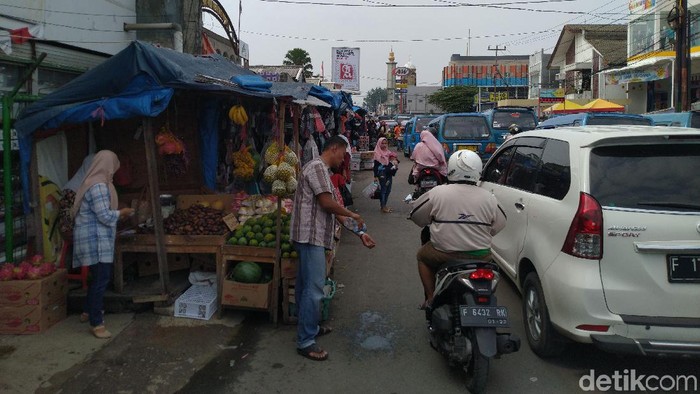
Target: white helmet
column 465, row 166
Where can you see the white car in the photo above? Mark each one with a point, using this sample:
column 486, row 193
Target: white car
column 603, row 236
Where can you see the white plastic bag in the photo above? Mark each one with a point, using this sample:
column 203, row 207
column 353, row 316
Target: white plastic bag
column 370, row 189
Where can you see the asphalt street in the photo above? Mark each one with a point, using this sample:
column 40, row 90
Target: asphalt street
column 380, row 340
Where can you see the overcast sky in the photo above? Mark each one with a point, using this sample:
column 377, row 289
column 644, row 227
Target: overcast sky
column 426, row 35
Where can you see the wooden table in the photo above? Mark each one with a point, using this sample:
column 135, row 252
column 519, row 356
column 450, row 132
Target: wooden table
column 146, row 243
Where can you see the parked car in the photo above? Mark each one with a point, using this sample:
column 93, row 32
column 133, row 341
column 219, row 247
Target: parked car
column 468, row 130
column 603, row 236
column 501, row 118
column 411, row 134
column 595, row 118
column 680, row 119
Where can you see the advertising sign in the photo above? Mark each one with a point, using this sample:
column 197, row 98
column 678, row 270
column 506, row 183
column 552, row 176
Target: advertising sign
column 551, row 95
column 402, row 71
column 660, row 71
column 640, row 5
column 346, row 67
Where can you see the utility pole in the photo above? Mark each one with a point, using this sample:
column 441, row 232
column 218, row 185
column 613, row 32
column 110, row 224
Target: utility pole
column 679, row 20
column 495, row 65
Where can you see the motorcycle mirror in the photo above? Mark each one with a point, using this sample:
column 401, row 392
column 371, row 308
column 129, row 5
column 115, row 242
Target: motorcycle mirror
column 408, row 199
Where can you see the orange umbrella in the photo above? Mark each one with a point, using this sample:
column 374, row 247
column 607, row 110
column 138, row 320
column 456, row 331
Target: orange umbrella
column 600, row 105
column 565, row 106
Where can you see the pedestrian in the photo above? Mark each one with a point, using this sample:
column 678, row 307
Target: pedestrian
column 428, row 153
column 312, row 228
column 385, row 167
column 96, row 213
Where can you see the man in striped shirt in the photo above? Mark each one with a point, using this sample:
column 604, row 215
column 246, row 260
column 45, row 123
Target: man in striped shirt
column 312, row 227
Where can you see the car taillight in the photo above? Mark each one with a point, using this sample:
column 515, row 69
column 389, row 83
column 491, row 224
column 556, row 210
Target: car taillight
column 585, row 237
column 481, row 274
column 446, row 148
column 490, row 148
column 482, row 299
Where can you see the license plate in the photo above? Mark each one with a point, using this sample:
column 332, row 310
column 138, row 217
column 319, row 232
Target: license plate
column 484, row 316
column 473, row 148
column 683, row 268
column 430, row 183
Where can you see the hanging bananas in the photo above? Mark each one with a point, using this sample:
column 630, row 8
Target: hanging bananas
column 238, row 115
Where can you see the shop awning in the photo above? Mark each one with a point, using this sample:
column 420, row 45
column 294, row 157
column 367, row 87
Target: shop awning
column 645, row 70
column 600, row 105
column 565, row 106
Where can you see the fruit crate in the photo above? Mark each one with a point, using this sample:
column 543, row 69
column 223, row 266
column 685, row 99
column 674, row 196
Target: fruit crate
column 198, row 302
column 289, row 309
column 237, row 252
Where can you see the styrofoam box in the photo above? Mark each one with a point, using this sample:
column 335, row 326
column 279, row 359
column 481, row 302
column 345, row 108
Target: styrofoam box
column 354, row 165
column 198, row 302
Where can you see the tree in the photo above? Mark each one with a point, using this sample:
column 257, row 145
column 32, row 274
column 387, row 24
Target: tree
column 454, row 98
column 299, row 57
column 374, row 97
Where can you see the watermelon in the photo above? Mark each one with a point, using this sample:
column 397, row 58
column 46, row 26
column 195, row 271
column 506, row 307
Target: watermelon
column 247, row 272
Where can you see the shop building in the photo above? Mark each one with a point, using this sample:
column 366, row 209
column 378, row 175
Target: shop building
column 499, row 77
column 582, row 54
column 648, row 75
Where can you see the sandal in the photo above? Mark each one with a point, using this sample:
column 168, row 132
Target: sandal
column 323, row 330
column 84, row 317
column 313, row 352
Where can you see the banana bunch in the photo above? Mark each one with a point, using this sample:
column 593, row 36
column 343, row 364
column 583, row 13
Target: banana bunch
column 244, row 164
column 238, row 115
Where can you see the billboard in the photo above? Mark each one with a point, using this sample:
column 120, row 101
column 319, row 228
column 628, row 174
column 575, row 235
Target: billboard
column 346, row 67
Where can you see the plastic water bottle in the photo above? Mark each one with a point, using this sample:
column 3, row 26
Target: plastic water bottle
column 351, row 224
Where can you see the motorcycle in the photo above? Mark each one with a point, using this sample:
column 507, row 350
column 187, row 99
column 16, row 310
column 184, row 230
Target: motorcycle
column 464, row 316
column 427, row 179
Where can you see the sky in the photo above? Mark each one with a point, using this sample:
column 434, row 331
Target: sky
column 426, row 35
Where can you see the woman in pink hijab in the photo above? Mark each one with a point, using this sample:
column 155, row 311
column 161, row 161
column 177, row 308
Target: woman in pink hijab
column 385, row 167
column 429, row 153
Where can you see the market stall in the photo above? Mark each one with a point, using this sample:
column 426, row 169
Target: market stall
column 221, row 144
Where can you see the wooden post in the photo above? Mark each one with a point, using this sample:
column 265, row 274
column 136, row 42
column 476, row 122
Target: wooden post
column 35, row 204
column 295, row 124
column 154, row 188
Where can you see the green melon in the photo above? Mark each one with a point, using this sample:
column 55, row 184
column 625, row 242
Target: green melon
column 247, row 272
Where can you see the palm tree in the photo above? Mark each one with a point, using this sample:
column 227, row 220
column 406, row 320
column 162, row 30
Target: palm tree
column 299, row 57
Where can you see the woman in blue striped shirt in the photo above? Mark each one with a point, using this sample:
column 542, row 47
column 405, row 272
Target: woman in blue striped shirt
column 96, row 214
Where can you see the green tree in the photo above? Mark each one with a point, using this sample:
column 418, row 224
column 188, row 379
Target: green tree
column 374, row 97
column 454, row 98
column 299, row 57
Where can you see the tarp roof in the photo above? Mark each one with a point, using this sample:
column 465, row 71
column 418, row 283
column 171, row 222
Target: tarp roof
column 603, row 105
column 164, row 68
column 564, row 107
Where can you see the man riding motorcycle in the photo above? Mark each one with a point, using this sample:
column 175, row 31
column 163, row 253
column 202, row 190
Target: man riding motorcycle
column 463, row 219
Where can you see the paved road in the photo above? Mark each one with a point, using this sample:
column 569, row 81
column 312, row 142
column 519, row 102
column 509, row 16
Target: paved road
column 380, row 341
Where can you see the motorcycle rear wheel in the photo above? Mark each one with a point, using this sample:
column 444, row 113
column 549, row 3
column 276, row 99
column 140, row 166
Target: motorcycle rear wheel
column 477, row 372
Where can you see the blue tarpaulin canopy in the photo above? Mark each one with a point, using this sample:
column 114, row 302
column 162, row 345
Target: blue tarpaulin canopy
column 138, row 81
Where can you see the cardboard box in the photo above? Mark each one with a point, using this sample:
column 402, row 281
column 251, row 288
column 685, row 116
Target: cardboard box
column 288, row 268
column 367, row 165
column 248, row 295
column 198, row 302
column 367, row 155
column 355, row 165
column 148, row 262
column 30, row 319
column 52, row 289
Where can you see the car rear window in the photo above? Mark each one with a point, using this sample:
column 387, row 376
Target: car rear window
column 653, row 177
column 524, row 119
column 465, row 128
column 422, row 122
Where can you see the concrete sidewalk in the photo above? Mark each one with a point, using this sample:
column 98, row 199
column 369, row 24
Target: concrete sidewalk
column 147, row 353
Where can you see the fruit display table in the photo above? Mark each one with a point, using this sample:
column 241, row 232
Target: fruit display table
column 146, row 243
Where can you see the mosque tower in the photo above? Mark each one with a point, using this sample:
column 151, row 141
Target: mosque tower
column 391, row 78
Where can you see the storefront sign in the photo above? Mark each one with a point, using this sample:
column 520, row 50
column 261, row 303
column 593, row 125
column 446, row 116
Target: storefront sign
column 346, row 67
column 640, row 5
column 660, row 71
column 402, row 71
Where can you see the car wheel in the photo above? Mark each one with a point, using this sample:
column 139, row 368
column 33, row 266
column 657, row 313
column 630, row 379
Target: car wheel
column 544, row 340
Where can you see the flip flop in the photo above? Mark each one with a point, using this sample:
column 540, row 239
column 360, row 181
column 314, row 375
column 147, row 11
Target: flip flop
column 313, row 352
column 323, row 330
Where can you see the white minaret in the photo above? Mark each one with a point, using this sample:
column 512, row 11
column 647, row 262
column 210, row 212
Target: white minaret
column 391, row 80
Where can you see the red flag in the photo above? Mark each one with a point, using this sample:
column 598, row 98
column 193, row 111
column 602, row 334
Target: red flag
column 20, row 36
column 207, row 48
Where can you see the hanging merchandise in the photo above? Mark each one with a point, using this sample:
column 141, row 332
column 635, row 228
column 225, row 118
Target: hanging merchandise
column 243, row 164
column 175, row 158
column 281, row 170
column 238, row 115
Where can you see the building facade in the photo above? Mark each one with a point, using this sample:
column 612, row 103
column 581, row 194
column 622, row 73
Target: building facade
column 499, row 77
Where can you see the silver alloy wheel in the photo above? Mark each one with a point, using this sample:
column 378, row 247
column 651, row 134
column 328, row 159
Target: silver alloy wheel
column 533, row 314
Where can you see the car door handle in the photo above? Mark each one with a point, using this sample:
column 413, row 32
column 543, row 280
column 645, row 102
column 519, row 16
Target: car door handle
column 519, row 206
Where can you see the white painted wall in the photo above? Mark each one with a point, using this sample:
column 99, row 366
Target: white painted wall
column 97, row 25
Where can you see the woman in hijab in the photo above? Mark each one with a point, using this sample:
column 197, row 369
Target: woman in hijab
column 96, row 213
column 385, row 167
column 429, row 153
